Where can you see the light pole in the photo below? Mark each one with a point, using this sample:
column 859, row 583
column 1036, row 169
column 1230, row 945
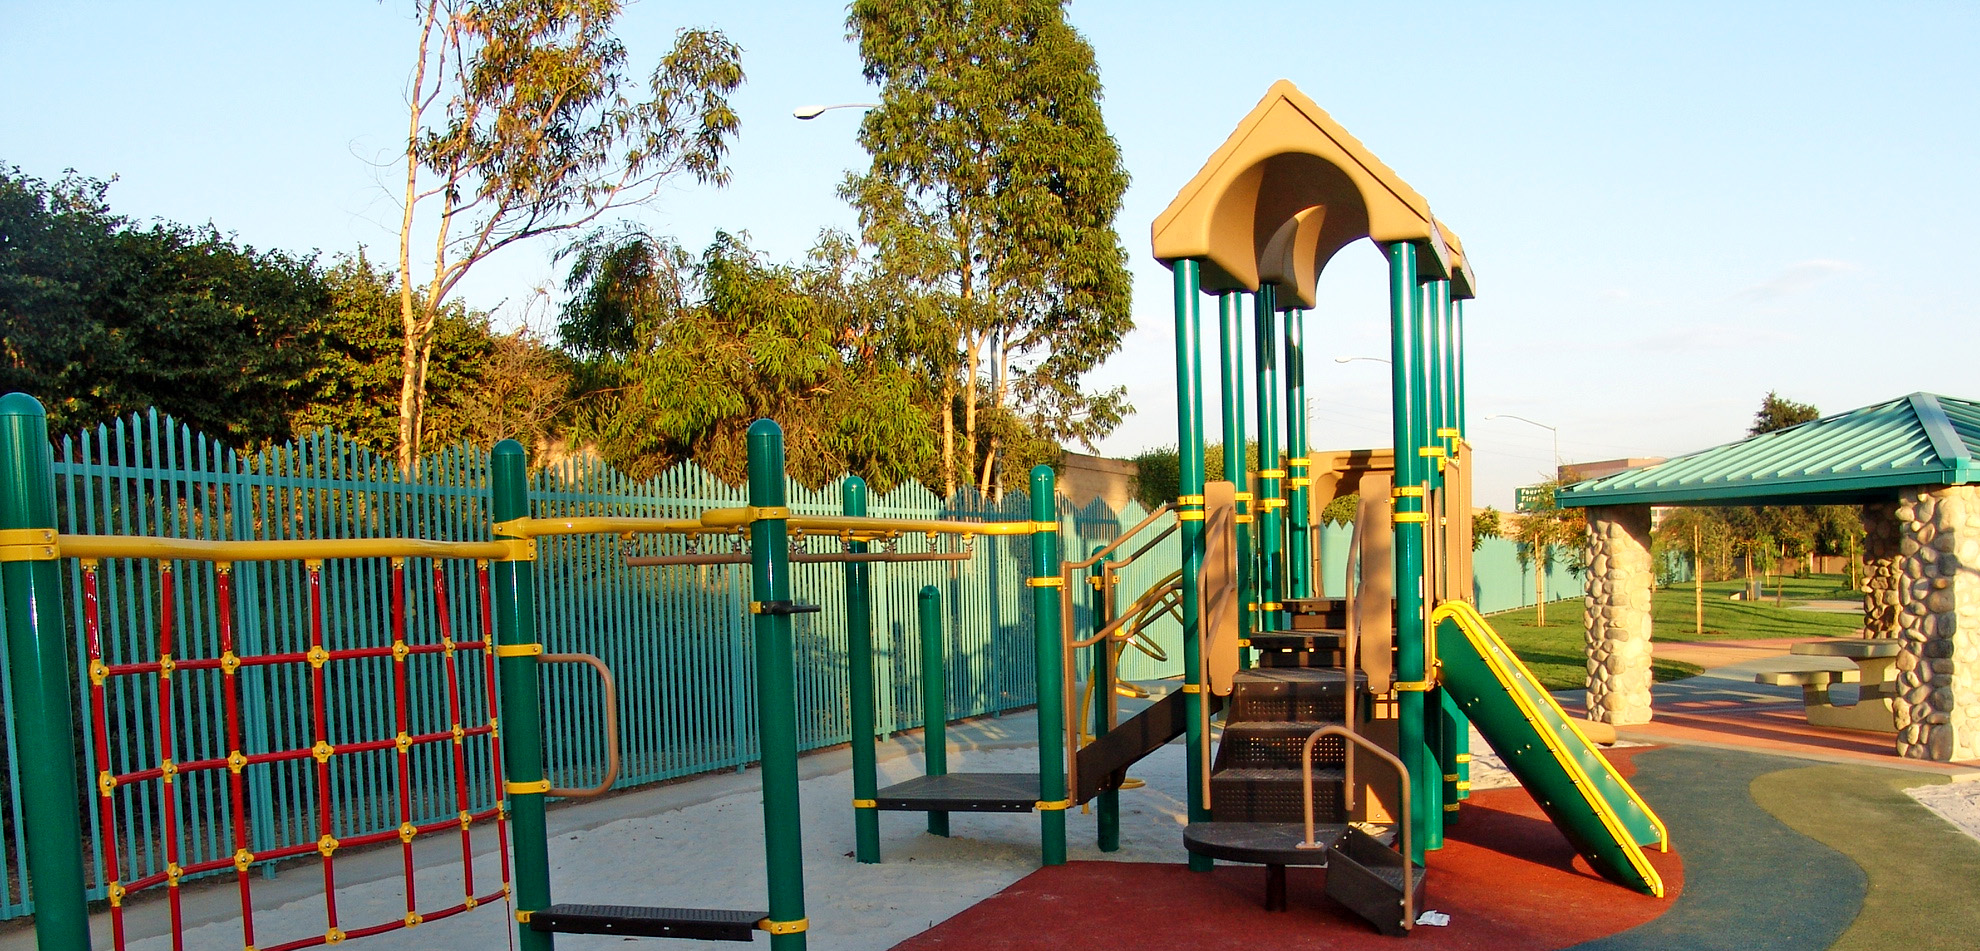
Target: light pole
column 1556, row 432
column 812, row 112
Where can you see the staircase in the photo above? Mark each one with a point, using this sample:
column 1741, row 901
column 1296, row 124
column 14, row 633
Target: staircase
column 1257, row 801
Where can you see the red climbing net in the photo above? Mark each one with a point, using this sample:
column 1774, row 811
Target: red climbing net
column 326, row 846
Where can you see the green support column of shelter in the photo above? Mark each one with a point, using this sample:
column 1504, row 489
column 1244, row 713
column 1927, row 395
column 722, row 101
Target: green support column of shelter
column 517, row 650
column 859, row 687
column 1457, row 728
column 1271, row 498
column 1189, row 451
column 1445, row 720
column 1299, row 550
column 1046, row 587
column 1409, row 519
column 1230, row 328
column 934, row 696
column 40, row 676
column 776, row 685
column 1100, row 677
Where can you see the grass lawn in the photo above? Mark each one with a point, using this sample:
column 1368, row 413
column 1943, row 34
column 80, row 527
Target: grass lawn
column 1557, row 655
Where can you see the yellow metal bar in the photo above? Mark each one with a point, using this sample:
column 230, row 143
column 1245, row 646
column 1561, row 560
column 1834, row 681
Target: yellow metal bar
column 193, row 549
column 600, row 525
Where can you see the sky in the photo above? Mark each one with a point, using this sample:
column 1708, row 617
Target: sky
column 1672, row 208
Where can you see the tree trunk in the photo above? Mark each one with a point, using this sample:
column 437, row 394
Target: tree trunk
column 948, row 438
column 1539, row 586
column 971, row 364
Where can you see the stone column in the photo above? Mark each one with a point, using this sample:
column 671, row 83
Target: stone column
column 1881, row 567
column 1616, row 613
column 1938, row 703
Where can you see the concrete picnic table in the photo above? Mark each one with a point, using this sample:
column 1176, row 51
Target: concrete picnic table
column 1875, row 671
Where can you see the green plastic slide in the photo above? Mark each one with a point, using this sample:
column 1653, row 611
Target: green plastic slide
column 1604, row 818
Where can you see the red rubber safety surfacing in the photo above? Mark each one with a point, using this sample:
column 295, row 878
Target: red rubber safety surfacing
column 1508, row 879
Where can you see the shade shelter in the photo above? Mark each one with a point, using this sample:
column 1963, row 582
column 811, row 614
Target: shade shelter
column 1908, row 463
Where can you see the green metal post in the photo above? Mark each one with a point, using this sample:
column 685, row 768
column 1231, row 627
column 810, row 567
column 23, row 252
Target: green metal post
column 1454, row 332
column 1457, row 354
column 522, row 702
column 1100, row 677
column 1045, row 594
column 1299, row 540
column 1442, row 725
column 859, row 671
column 1409, row 536
column 934, row 696
column 776, row 685
column 1189, row 449
column 1271, row 471
column 41, row 678
column 1230, row 327
column 1422, row 413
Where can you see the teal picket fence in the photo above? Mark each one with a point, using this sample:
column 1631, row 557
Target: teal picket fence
column 677, row 638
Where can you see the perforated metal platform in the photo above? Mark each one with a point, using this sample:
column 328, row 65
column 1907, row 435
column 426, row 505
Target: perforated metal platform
column 706, row 924
column 962, row 792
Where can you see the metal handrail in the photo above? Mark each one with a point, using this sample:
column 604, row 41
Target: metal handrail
column 97, row 547
column 611, row 726
column 1120, row 540
column 1402, row 785
column 805, row 558
column 1148, row 599
column 1350, row 652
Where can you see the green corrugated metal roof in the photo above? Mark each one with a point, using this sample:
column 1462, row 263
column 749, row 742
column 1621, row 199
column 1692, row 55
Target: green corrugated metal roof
column 1861, row 455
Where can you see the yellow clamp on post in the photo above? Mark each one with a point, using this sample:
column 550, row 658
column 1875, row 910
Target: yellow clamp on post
column 1464, row 784
column 242, row 860
column 1244, row 519
column 1190, row 515
column 1405, row 517
column 784, row 927
column 1447, row 432
column 1044, row 526
column 866, row 804
column 1299, row 482
column 1271, row 503
column 327, row 845
column 1244, row 642
column 522, row 917
column 1450, row 777
column 28, row 544
column 1271, row 473
column 1192, row 688
column 1463, row 757
column 760, row 513
column 1054, row 805
column 518, row 650
column 1271, row 606
column 1451, row 807
column 1052, row 581
column 1411, row 686
column 1406, row 491
column 539, row 787
column 1299, row 462
column 1241, row 496
column 1189, row 500
column 322, row 751
column 1429, row 451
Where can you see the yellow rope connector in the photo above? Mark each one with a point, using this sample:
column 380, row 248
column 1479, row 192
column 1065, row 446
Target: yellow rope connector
column 173, row 872
column 327, row 845
column 322, row 751
column 230, row 663
column 403, row 741
column 460, row 734
column 242, row 860
column 406, row 832
column 413, row 919
column 447, row 646
column 116, row 894
column 1053, row 805
column 318, row 657
column 168, row 769
column 494, row 729
column 1054, row 581
column 236, row 761
column 866, row 804
column 400, row 650
column 105, row 782
column 98, row 672
column 784, row 927
column 471, row 901
column 334, row 936
column 165, row 666
column 467, row 818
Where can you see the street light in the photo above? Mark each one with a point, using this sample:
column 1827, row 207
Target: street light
column 1556, row 432
column 813, row 112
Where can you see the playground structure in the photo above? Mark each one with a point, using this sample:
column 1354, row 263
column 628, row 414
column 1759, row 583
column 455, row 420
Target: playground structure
column 1340, row 714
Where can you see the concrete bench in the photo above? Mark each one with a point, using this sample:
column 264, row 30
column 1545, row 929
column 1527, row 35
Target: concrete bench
column 1814, row 684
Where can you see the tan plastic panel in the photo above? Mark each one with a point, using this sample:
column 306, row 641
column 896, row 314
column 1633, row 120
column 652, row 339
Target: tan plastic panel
column 1217, row 591
column 1374, row 607
column 1284, row 158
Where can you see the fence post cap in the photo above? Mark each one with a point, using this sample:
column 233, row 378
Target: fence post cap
column 20, row 404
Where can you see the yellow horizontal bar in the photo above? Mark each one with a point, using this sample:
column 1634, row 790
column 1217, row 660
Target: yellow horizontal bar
column 194, row 549
column 857, row 523
column 600, row 525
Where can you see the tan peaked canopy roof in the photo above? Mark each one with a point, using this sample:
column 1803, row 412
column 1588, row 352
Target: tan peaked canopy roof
column 1288, row 189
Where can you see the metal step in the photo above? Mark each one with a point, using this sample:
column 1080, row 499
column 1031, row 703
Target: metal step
column 1262, row 843
column 962, row 792
column 1291, row 693
column 635, row 921
column 1275, row 795
column 1275, row 744
column 1367, row 876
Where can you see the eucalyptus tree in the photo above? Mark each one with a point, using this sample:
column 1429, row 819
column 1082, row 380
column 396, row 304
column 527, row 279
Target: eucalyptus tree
column 993, row 188
column 522, row 122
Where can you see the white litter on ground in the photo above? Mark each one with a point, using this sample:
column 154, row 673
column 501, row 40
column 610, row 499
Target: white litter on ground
column 1956, row 802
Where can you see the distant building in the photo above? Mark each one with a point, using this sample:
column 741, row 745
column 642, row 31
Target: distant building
column 1083, row 478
